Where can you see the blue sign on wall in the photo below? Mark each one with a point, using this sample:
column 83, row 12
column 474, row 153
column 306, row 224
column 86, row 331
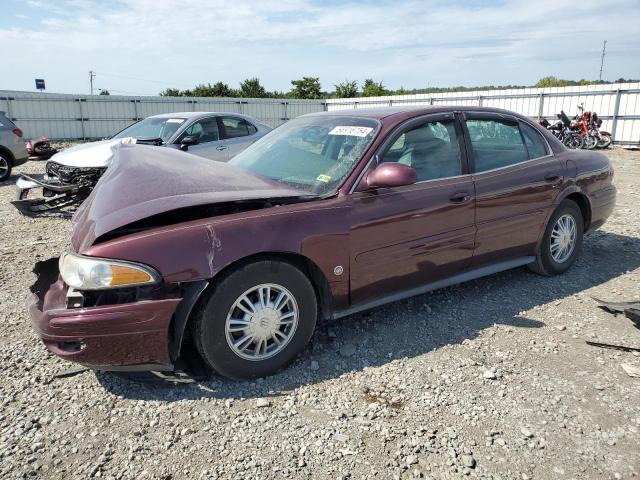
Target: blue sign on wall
column 40, row 83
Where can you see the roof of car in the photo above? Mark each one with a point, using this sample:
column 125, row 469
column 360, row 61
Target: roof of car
column 384, row 112
column 194, row 114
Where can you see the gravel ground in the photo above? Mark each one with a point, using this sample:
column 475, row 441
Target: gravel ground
column 491, row 379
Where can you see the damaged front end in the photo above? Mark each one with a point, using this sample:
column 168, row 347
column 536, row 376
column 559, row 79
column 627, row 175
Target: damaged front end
column 64, row 188
column 127, row 328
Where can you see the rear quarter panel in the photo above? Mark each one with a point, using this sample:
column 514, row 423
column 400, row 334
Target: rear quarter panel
column 589, row 173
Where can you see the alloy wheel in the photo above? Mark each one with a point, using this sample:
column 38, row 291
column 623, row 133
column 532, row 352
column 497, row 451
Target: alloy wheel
column 563, row 238
column 4, row 167
column 261, row 322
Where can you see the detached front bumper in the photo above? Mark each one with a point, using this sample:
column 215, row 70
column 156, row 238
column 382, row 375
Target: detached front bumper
column 56, row 195
column 129, row 336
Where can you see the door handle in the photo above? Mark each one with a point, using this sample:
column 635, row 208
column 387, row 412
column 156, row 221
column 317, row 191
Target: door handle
column 221, row 147
column 459, row 197
column 552, row 177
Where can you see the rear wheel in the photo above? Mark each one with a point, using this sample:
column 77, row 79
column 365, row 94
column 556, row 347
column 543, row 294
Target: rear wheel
column 5, row 167
column 256, row 320
column 562, row 240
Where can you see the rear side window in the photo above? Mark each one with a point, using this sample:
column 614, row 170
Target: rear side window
column 535, row 143
column 5, row 122
column 496, row 143
column 237, row 127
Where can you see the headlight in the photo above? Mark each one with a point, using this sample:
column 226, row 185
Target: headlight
column 88, row 273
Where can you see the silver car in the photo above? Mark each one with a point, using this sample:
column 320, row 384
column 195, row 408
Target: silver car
column 216, row 135
column 12, row 148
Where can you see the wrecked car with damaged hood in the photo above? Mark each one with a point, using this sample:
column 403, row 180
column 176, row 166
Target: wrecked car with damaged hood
column 330, row 214
column 73, row 173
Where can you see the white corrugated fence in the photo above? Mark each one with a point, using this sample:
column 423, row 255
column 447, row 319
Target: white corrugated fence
column 63, row 116
column 617, row 104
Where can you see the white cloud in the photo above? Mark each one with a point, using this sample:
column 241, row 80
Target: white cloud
column 408, row 43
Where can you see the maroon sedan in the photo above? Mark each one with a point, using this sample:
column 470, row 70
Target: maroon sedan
column 330, row 214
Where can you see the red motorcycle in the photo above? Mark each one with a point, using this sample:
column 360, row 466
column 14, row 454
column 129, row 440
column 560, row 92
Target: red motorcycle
column 588, row 124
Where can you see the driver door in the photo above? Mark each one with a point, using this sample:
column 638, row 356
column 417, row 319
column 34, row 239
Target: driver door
column 209, row 145
column 406, row 237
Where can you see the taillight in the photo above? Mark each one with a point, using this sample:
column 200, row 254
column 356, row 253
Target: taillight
column 18, row 132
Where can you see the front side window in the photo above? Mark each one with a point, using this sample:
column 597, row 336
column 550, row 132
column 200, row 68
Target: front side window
column 432, row 150
column 205, row 130
column 237, row 127
column 313, row 154
column 496, row 143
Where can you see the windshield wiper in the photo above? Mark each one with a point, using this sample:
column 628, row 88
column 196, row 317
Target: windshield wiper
column 157, row 141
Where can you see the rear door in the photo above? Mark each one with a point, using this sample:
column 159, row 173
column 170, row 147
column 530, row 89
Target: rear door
column 516, row 180
column 406, row 237
column 238, row 134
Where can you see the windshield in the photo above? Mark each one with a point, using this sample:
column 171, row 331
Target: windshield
column 314, row 154
column 162, row 128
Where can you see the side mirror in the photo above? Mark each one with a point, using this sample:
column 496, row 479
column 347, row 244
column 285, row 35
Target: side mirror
column 392, row 174
column 187, row 141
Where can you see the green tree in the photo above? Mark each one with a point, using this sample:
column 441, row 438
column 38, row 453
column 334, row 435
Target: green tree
column 219, row 89
column 308, row 88
column 104, row 91
column 373, row 89
column 552, row 81
column 347, row 89
column 251, row 88
column 171, row 92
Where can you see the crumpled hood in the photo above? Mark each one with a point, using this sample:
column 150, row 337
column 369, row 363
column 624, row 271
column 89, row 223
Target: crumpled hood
column 92, row 154
column 143, row 181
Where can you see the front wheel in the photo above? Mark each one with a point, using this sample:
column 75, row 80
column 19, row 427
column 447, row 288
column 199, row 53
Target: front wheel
column 604, row 141
column 256, row 320
column 562, row 240
column 590, row 142
column 573, row 141
column 5, row 168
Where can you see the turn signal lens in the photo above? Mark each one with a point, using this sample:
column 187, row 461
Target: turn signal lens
column 128, row 276
column 89, row 273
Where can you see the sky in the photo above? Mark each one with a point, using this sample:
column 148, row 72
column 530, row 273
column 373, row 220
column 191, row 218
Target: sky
column 144, row 46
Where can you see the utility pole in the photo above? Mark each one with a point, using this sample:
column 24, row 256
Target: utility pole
column 92, row 75
column 604, row 47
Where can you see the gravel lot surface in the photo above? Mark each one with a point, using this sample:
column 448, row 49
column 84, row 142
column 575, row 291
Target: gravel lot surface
column 491, row 379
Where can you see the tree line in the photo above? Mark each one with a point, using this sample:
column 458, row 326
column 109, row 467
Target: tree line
column 310, row 88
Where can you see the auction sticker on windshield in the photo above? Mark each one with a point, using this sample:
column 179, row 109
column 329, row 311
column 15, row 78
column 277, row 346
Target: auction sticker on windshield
column 175, row 120
column 351, row 131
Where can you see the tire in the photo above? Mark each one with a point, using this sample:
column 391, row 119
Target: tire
column 220, row 322
column 590, row 142
column 5, row 167
column 548, row 263
column 604, row 141
column 573, row 141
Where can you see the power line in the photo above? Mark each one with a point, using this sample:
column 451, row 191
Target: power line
column 143, row 79
column 604, row 47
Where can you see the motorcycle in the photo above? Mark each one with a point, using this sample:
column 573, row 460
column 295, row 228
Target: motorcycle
column 562, row 131
column 588, row 125
column 40, row 148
